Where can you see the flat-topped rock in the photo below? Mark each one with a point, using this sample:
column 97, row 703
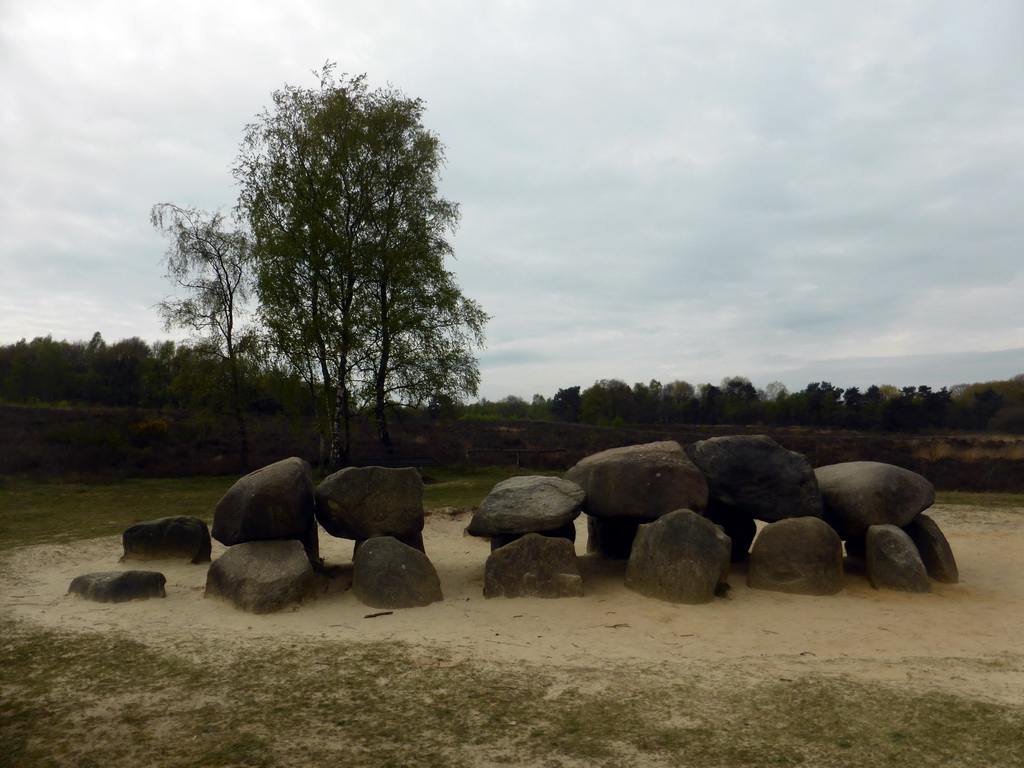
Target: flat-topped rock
column 118, row 586
column 168, row 537
column 527, row 504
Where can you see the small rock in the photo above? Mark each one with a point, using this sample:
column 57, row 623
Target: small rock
column 119, row 586
column 168, row 537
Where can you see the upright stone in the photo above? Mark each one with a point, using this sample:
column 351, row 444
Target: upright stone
column 167, row 537
column 893, row 561
column 680, row 557
column 533, row 566
column 390, row 574
column 798, row 555
column 753, row 476
column 935, row 551
column 368, row 502
column 275, row 502
column 262, row 576
column 859, row 494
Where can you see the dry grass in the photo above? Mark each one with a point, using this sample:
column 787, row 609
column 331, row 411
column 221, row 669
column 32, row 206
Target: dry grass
column 85, row 700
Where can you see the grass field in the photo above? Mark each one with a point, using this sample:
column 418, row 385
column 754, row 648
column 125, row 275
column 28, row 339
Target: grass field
column 106, row 699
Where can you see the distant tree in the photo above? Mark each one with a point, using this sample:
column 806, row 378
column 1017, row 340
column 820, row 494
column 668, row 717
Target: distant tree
column 608, row 401
column 210, row 263
column 566, row 404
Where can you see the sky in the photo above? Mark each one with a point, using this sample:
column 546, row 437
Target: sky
column 782, row 190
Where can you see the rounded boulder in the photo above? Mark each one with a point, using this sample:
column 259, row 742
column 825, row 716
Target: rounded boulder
column 860, row 494
column 528, row 504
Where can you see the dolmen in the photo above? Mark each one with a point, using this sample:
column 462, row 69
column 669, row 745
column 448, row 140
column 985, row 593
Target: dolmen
column 630, row 486
column 530, row 521
column 381, row 510
column 877, row 509
column 266, row 521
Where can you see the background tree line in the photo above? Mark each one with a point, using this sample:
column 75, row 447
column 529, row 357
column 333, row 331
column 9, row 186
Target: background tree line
column 997, row 405
column 133, row 373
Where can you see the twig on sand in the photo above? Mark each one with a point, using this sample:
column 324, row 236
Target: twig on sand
column 375, row 615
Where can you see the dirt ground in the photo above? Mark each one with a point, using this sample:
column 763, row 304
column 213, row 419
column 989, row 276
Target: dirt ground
column 966, row 638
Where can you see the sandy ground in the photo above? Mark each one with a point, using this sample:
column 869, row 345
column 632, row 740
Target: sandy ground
column 966, row 638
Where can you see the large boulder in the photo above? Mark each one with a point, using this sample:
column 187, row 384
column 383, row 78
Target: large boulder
column 118, row 586
column 798, row 555
column 168, row 537
column 389, row 574
column 527, row 504
column 367, row 502
column 645, row 481
column 262, row 576
column 275, row 502
column 533, row 566
column 859, row 494
column 893, row 561
column 681, row 557
column 934, row 549
column 755, row 477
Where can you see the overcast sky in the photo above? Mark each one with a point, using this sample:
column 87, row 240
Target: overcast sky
column 792, row 191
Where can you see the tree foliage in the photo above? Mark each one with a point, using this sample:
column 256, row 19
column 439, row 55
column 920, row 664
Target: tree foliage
column 210, row 264
column 339, row 187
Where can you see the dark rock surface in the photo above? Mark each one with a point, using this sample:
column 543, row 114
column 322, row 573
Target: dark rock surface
column 118, row 586
column 275, row 502
column 859, row 494
column 527, row 504
column 262, row 576
column 798, row 555
column 644, row 481
column 893, row 561
column 755, row 476
column 681, row 557
column 935, row 551
column 366, row 502
column 390, row 574
column 533, row 566
column 168, row 537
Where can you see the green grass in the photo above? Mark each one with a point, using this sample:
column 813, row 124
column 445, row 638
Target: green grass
column 462, row 487
column 34, row 512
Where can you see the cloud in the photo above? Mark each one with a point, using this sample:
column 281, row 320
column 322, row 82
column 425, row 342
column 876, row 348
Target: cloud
column 685, row 190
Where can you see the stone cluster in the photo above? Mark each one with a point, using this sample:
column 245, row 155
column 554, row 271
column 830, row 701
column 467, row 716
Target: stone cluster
column 680, row 517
